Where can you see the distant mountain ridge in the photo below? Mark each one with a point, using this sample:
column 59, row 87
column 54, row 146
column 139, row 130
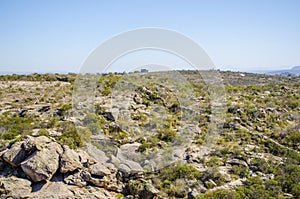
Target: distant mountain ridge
column 32, row 72
column 295, row 71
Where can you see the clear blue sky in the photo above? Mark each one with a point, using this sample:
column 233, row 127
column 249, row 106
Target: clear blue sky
column 53, row 35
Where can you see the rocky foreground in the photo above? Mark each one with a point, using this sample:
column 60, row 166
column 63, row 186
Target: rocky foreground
column 39, row 167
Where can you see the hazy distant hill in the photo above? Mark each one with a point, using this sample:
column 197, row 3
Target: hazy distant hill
column 295, row 71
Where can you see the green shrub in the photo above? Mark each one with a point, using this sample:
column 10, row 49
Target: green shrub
column 84, row 133
column 209, row 185
column 261, row 164
column 174, row 177
column 167, row 134
column 70, row 135
column 151, row 142
column 10, row 135
column 177, row 189
column 107, row 82
column 65, row 108
column 220, row 194
column 177, row 172
column 200, row 140
column 240, row 171
column 214, row 161
column 44, row 132
column 289, row 178
column 293, row 138
column 13, row 126
column 51, row 122
column 94, row 123
column 254, row 187
column 95, row 128
column 90, row 118
column 292, row 103
column 143, row 147
column 213, row 174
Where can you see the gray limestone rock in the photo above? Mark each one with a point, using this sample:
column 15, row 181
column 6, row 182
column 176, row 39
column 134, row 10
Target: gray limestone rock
column 15, row 155
column 69, row 161
column 42, row 165
column 99, row 170
column 12, row 187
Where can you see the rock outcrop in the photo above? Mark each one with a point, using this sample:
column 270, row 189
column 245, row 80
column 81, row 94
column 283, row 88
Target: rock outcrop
column 99, row 170
column 14, row 187
column 69, row 161
column 15, row 155
column 43, row 164
column 43, row 168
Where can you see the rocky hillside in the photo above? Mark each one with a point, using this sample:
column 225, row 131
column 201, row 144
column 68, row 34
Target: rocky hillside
column 149, row 136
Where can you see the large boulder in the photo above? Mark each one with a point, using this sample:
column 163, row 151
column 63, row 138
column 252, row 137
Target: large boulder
column 56, row 190
column 19, row 151
column 99, row 170
column 84, row 157
column 103, row 182
column 69, row 161
column 124, row 162
column 12, row 187
column 79, row 178
column 42, row 164
column 95, row 153
column 33, row 143
column 92, row 192
column 15, row 155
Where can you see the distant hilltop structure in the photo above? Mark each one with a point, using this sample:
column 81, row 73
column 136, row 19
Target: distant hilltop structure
column 143, row 70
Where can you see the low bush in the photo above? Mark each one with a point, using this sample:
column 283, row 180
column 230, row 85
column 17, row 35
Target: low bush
column 70, row 136
column 240, row 170
column 177, row 172
column 10, row 135
column 13, row 126
column 43, row 132
column 220, row 194
column 167, row 134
